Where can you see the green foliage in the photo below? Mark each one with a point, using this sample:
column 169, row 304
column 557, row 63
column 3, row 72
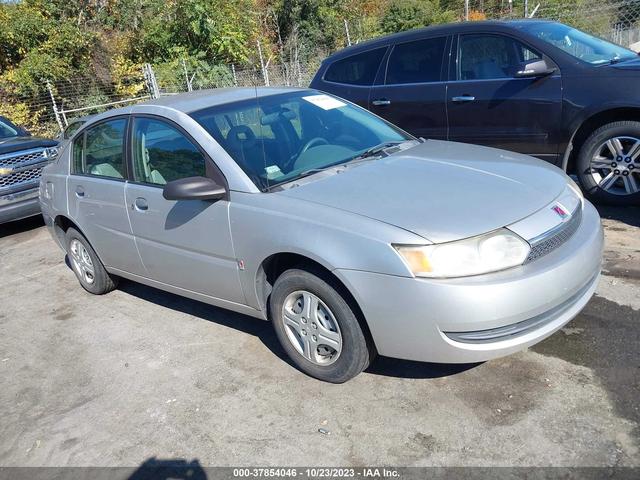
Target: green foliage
column 407, row 14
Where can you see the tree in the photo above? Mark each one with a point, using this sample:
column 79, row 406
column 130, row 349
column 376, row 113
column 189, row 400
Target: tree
column 407, row 14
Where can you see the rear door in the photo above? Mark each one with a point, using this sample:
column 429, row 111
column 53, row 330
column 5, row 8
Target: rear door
column 487, row 105
column 95, row 193
column 352, row 77
column 185, row 243
column 412, row 93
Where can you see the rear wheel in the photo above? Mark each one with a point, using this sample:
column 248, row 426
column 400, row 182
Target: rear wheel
column 609, row 164
column 88, row 268
column 317, row 327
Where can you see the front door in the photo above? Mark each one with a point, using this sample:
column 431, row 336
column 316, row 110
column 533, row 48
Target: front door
column 95, row 194
column 487, row 105
column 413, row 95
column 185, row 243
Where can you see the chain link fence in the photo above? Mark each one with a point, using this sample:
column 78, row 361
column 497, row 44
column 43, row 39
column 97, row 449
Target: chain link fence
column 615, row 20
column 47, row 108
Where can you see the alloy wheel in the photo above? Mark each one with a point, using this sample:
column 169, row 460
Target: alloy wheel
column 615, row 166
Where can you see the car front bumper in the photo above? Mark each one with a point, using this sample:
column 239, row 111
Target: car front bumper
column 19, row 205
column 474, row 319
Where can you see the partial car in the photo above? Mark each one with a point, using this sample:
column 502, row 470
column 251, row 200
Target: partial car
column 530, row 86
column 352, row 236
column 22, row 158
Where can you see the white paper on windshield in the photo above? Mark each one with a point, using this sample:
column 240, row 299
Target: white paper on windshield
column 324, row 101
column 273, row 172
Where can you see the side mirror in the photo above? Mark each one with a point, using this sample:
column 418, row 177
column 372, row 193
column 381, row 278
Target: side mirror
column 24, row 132
column 536, row 68
column 193, row 188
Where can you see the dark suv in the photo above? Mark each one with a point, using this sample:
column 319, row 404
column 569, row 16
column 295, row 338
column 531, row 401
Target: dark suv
column 22, row 158
column 531, row 86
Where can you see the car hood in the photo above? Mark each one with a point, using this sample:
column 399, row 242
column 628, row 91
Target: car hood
column 14, row 144
column 442, row 191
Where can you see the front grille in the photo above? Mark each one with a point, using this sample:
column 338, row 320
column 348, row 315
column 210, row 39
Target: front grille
column 16, row 159
column 24, row 169
column 26, row 176
column 556, row 237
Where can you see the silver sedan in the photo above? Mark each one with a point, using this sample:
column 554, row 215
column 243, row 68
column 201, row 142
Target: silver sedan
column 351, row 236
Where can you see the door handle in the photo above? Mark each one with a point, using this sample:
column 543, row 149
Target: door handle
column 140, row 204
column 79, row 191
column 463, row 98
column 381, row 101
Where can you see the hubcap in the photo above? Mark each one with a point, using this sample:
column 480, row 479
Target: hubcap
column 311, row 328
column 81, row 262
column 615, row 167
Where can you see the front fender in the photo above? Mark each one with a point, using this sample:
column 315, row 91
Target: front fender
column 263, row 225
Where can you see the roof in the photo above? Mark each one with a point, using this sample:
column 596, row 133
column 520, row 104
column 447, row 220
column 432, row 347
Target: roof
column 445, row 29
column 192, row 101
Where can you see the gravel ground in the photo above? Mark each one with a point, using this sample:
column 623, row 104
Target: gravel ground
column 139, row 374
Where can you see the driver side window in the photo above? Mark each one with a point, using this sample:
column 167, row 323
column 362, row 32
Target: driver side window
column 485, row 57
column 162, row 153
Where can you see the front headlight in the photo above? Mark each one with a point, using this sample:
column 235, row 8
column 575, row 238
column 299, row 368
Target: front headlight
column 494, row 251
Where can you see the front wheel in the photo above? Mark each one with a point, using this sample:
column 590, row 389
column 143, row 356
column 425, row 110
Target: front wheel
column 609, row 164
column 317, row 327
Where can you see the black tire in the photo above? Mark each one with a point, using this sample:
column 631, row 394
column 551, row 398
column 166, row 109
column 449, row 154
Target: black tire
column 583, row 166
column 357, row 350
column 102, row 282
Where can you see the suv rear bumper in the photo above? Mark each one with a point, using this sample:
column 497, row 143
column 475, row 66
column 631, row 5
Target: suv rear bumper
column 18, row 205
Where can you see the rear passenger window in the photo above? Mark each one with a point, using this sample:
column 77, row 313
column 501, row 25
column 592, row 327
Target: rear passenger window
column 416, row 62
column 358, row 69
column 100, row 150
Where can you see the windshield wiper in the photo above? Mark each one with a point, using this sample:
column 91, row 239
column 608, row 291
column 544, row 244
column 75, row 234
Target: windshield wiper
column 373, row 151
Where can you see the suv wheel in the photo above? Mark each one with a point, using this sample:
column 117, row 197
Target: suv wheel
column 88, row 268
column 609, row 164
column 317, row 328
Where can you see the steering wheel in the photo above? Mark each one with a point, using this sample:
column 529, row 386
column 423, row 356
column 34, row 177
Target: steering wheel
column 314, row 142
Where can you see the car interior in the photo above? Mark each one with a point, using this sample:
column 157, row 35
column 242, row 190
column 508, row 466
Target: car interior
column 271, row 141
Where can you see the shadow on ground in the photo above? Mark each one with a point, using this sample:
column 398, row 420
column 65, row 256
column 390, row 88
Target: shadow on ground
column 175, row 469
column 21, row 226
column 604, row 337
column 382, row 366
column 628, row 215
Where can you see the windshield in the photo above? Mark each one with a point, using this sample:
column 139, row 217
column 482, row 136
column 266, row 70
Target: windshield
column 579, row 44
column 7, row 129
column 279, row 138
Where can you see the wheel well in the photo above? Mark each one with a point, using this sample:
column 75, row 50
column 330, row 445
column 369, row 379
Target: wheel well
column 593, row 123
column 275, row 265
column 61, row 225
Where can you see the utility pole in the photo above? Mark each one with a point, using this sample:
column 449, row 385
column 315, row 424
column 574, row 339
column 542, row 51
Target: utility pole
column 346, row 29
column 150, row 80
column 466, row 10
column 265, row 73
column 186, row 76
column 55, row 107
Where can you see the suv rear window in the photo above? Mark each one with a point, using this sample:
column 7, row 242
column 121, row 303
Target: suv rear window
column 357, row 69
